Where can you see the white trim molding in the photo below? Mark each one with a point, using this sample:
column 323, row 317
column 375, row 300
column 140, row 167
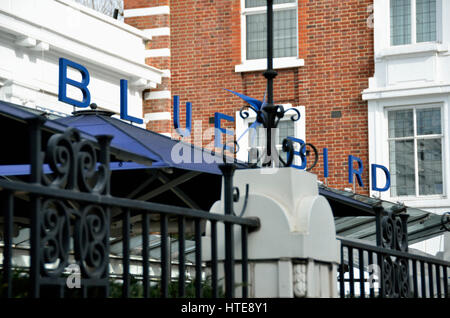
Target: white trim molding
column 140, row 12
column 157, row 116
column 157, row 52
column 261, row 64
column 157, row 31
column 165, row 73
column 158, row 95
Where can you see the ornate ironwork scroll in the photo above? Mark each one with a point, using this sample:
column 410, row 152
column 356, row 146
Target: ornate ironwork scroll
column 395, row 270
column 55, row 237
column 74, row 164
column 75, row 167
column 90, row 241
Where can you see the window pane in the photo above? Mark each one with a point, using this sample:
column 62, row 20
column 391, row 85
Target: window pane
column 285, row 129
column 429, row 156
column 401, row 163
column 400, row 22
column 256, row 36
column 285, row 34
column 426, row 20
column 263, row 3
column 428, row 121
column 401, row 123
column 254, row 135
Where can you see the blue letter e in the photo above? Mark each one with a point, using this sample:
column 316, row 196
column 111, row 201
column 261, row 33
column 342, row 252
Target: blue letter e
column 64, row 81
column 218, row 130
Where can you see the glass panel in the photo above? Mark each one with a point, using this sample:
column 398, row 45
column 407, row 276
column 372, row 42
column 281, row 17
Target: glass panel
column 285, row 34
column 400, row 22
column 426, row 20
column 401, row 163
column 429, row 156
column 401, row 123
column 254, row 136
column 263, row 3
column 428, row 121
column 256, row 36
column 285, row 129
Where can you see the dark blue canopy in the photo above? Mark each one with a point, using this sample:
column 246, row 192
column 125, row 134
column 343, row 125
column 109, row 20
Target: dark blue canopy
column 145, row 142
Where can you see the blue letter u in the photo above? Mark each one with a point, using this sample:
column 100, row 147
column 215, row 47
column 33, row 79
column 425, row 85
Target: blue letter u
column 176, row 117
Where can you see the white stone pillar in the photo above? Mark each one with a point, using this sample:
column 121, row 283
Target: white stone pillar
column 446, row 255
column 295, row 252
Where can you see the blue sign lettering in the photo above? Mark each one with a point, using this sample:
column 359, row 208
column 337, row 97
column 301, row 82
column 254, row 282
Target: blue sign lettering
column 64, row 81
column 352, row 172
column 297, row 153
column 218, row 130
column 325, row 162
column 124, row 103
column 176, row 117
column 374, row 178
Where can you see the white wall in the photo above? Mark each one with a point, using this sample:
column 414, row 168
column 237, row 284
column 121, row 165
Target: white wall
column 34, row 34
column 409, row 75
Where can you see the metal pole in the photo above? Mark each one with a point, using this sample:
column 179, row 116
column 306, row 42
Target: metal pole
column 270, row 109
column 36, row 175
column 228, row 171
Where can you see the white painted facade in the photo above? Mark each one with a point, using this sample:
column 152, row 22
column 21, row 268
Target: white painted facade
column 407, row 76
column 295, row 252
column 34, row 34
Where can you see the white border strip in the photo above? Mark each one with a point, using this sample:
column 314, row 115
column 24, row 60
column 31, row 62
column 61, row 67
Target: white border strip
column 166, row 73
column 158, row 95
column 140, row 12
column 157, row 31
column 157, row 116
column 261, row 64
column 157, row 52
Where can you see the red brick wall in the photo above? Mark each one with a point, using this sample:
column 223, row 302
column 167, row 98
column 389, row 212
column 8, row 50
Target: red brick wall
column 338, row 62
column 334, row 41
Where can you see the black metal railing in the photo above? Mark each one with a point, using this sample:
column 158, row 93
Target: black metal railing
column 388, row 270
column 69, row 215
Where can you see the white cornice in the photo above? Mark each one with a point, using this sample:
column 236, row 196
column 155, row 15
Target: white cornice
column 61, row 43
column 393, row 92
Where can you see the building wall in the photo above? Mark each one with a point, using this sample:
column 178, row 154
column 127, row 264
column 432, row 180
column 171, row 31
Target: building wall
column 335, row 46
column 35, row 34
column 410, row 75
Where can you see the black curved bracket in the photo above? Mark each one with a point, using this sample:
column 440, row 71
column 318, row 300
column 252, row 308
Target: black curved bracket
column 231, row 194
column 236, row 199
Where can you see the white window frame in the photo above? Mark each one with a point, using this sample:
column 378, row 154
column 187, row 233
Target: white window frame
column 242, row 125
column 261, row 64
column 442, row 135
column 414, row 25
